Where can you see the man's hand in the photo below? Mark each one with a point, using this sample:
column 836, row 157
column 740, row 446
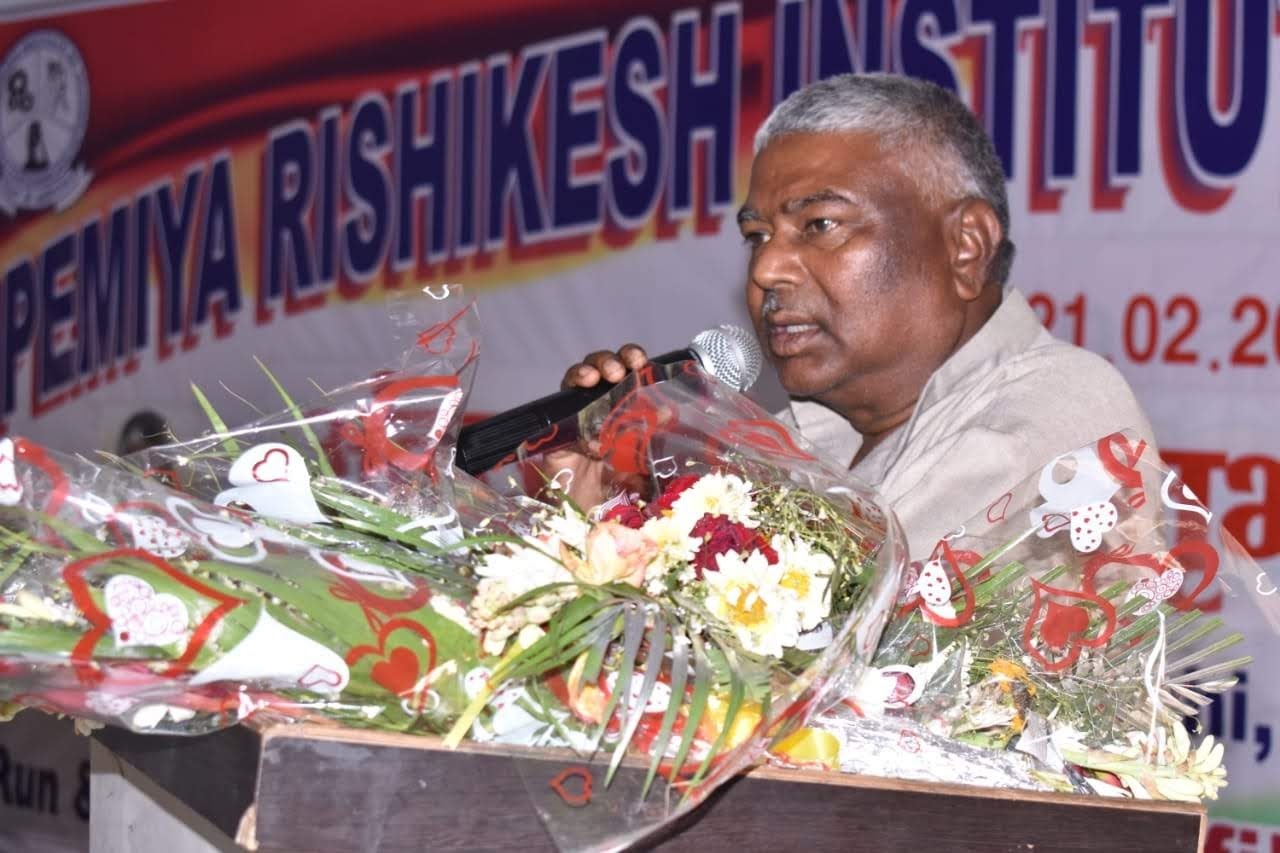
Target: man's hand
column 606, row 365
column 587, row 474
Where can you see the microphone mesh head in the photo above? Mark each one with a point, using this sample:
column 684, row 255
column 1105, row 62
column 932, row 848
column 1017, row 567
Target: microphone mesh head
column 730, row 354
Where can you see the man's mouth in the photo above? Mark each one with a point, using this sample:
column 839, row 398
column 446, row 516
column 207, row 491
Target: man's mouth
column 790, row 338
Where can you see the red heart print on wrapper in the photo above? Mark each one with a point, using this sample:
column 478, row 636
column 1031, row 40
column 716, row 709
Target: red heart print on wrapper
column 1190, row 558
column 1064, row 622
column 1089, row 523
column 274, row 655
column 217, row 604
column 398, row 673
column 156, row 536
column 935, row 589
column 322, row 679
column 142, row 617
column 1000, row 508
column 1156, row 590
column 272, row 468
column 374, row 429
column 932, row 590
column 400, row 670
column 272, row 479
column 269, row 462
column 439, row 338
column 1090, row 485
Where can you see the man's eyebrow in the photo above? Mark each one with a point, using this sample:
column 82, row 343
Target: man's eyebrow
column 818, row 197
column 749, row 214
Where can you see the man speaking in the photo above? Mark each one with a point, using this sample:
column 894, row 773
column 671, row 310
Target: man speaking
column 877, row 227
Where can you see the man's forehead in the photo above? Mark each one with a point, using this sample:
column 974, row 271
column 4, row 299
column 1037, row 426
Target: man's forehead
column 796, row 170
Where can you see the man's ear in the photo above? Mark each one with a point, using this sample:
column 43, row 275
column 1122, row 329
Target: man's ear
column 973, row 236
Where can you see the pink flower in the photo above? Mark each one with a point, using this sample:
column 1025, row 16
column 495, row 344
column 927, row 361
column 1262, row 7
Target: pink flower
column 614, row 552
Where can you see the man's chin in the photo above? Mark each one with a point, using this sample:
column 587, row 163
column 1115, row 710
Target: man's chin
column 802, row 387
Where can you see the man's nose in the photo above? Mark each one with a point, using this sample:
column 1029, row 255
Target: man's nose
column 776, row 263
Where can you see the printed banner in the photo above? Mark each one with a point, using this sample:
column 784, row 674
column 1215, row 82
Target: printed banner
column 184, row 186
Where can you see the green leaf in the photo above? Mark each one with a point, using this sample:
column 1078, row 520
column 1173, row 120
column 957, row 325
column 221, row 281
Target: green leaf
column 702, row 678
column 121, row 463
column 635, row 707
column 229, row 444
column 377, row 520
column 679, row 677
column 633, row 633
column 737, row 693
column 537, row 592
column 322, row 459
column 595, row 659
column 986, row 591
column 547, row 654
column 13, row 564
column 80, row 542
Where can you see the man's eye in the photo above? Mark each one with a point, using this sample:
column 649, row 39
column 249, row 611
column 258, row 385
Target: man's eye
column 755, row 239
column 820, row 226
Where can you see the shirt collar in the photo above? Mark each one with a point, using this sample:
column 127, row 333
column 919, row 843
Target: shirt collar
column 1010, row 330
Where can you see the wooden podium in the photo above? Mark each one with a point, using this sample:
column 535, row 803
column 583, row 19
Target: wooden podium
column 318, row 788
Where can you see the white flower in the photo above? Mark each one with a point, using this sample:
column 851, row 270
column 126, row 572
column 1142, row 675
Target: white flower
column 806, row 576
column 675, row 545
column 453, row 611
column 569, row 527
column 744, row 594
column 523, row 569
column 1164, row 767
column 716, row 494
column 504, row 577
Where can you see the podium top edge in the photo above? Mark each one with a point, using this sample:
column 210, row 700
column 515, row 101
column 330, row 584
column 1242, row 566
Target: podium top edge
column 322, row 733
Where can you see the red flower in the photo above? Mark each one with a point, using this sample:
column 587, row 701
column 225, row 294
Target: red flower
column 719, row 535
column 673, row 490
column 625, row 514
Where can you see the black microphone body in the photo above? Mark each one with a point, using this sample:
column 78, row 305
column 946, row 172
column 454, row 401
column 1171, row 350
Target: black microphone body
column 485, row 443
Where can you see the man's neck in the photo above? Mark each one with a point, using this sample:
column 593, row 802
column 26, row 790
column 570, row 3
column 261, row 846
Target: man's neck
column 879, row 420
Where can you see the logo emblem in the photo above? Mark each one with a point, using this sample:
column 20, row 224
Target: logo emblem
column 44, row 110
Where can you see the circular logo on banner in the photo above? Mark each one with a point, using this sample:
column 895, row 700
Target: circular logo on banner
column 44, row 110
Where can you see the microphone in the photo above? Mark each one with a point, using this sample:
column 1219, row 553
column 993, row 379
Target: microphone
column 728, row 353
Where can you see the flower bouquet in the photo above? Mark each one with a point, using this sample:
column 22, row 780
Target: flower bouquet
column 329, row 563
column 1065, row 638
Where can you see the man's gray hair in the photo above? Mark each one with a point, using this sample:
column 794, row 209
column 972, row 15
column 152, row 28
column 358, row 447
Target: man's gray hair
column 958, row 160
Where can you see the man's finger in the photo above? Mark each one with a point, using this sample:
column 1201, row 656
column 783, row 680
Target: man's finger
column 580, row 376
column 633, row 356
column 609, row 365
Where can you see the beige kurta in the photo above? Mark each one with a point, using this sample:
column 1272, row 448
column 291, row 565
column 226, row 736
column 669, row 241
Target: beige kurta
column 1009, row 401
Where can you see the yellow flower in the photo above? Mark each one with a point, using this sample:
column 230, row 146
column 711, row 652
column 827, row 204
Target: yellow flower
column 1007, row 668
column 587, row 701
column 1008, row 673
column 806, row 576
column 712, row 723
column 746, row 596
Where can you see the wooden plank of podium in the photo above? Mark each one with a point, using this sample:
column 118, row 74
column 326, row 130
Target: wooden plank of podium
column 320, row 788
